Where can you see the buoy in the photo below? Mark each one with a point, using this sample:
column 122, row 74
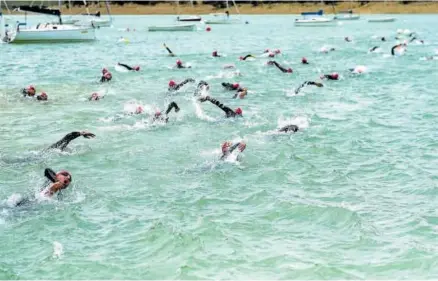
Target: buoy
column 208, row 29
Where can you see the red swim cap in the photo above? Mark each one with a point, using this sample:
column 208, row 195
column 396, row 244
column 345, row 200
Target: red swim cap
column 238, row 111
column 178, row 62
column 137, row 68
column 94, row 96
column 271, row 55
column 104, row 70
column 65, row 174
column 335, row 76
column 277, row 51
column 31, row 87
column 289, row 70
column 157, row 114
column 240, row 58
column 42, row 96
column 139, row 109
column 303, row 60
column 107, row 75
column 172, row 83
column 208, row 28
column 236, row 85
column 214, row 53
column 225, row 146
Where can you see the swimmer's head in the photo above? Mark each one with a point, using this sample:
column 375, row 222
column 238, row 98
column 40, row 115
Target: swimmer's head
column 238, row 111
column 172, row 83
column 304, row 60
column 240, row 58
column 277, row 51
column 242, row 146
column 335, row 76
column 94, row 96
column 179, row 62
column 267, row 51
column 271, row 55
column 136, row 68
column 225, row 146
column 64, row 177
column 243, row 93
column 157, row 114
column 42, row 96
column 214, row 54
column 31, row 90
column 236, row 85
column 107, row 75
column 289, row 70
column 139, row 109
column 104, row 71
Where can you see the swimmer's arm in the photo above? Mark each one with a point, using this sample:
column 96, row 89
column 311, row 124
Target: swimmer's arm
column 168, row 50
column 234, row 147
column 124, row 65
column 50, row 174
column 171, row 106
column 392, row 50
column 55, row 187
column 279, row 66
column 62, row 144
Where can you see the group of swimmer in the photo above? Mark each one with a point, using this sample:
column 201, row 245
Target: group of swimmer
column 60, row 180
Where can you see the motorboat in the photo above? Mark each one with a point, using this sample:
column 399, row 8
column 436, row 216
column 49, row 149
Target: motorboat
column 346, row 15
column 381, row 20
column 314, row 19
column 188, row 18
column 173, row 27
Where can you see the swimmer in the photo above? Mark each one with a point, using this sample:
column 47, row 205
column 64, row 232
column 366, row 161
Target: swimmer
column 42, row 96
column 135, row 68
column 29, row 91
column 228, row 111
column 215, row 54
column 245, row 57
column 62, row 144
column 179, row 64
column 289, row 128
column 231, row 87
column 168, row 50
column 160, row 117
column 106, row 76
column 228, row 148
column 59, row 181
column 304, row 61
column 202, row 85
column 373, row 49
column 319, row 85
column 229, row 66
column 347, row 39
column 383, row 39
column 396, row 47
column 358, row 69
column 95, row 96
column 277, row 51
column 325, row 50
column 241, row 93
column 332, row 76
column 284, row 70
column 175, row 87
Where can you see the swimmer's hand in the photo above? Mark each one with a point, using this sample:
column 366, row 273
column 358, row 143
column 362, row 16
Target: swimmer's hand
column 203, row 99
column 87, row 135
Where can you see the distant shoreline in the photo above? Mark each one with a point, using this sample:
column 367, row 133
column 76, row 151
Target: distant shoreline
column 171, row 8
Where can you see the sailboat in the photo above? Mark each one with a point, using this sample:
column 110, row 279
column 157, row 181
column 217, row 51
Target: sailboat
column 49, row 32
column 224, row 18
column 187, row 18
column 314, row 19
column 95, row 20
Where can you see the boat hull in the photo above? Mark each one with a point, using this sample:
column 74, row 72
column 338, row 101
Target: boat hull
column 189, row 27
column 315, row 23
column 61, row 35
column 382, row 20
column 189, row 19
column 342, row 18
column 224, row 21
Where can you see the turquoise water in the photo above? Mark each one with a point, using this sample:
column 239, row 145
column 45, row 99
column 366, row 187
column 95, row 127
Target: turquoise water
column 353, row 194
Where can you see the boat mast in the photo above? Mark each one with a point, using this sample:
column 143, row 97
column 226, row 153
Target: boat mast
column 235, row 6
column 108, row 10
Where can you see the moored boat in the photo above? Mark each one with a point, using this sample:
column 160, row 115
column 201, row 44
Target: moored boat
column 173, row 27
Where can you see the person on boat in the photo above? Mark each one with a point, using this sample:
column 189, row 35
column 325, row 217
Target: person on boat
column 284, row 70
column 57, row 182
column 289, row 128
column 134, row 68
column 228, row 148
column 202, row 86
column 231, row 87
column 171, row 54
column 106, row 76
column 29, row 91
column 245, row 57
column 95, row 97
column 179, row 64
column 228, row 111
column 42, row 97
column 347, row 39
column 317, row 84
column 331, row 76
column 398, row 46
column 158, row 116
column 227, row 13
column 173, row 86
column 215, row 54
column 373, row 49
column 62, row 144
column 304, row 61
column 241, row 93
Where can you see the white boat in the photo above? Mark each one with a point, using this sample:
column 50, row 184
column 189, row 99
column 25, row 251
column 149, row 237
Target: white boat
column 50, row 32
column 223, row 18
column 94, row 20
column 314, row 19
column 173, row 27
column 187, row 18
column 382, row 20
column 346, row 15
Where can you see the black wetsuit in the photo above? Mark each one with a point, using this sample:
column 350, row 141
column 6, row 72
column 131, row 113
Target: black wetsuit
column 232, row 148
column 62, row 144
column 171, row 106
column 278, row 66
column 374, row 48
column 330, row 77
column 170, row 52
column 228, row 111
column 247, row 56
column 182, row 66
column 303, row 85
column 25, row 93
column 393, row 48
column 285, row 129
column 200, row 86
column 178, row 86
column 104, row 79
column 229, row 86
column 383, row 39
column 126, row 66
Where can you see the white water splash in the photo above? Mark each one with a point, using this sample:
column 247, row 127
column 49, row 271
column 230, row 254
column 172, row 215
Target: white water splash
column 57, row 249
